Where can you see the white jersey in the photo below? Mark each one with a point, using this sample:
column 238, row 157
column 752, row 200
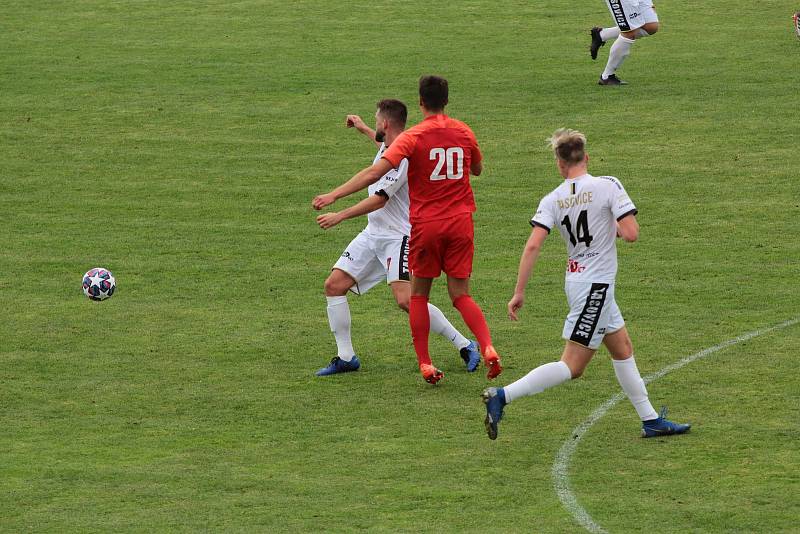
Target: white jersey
column 586, row 210
column 392, row 219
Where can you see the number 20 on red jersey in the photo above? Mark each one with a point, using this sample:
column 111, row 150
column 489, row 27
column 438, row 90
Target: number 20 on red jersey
column 450, row 160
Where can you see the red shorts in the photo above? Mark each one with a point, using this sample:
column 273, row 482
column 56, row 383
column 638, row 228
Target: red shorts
column 443, row 245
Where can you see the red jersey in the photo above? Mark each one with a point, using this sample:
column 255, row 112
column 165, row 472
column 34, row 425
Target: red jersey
column 440, row 152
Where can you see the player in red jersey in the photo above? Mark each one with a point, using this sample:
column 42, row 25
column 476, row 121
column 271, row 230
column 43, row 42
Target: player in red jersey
column 441, row 153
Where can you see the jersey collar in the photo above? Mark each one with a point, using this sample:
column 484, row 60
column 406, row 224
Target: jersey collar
column 577, row 177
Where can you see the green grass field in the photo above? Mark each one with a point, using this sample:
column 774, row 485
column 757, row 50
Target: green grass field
column 180, row 144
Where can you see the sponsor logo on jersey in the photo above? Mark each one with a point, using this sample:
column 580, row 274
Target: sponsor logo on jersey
column 590, row 315
column 577, row 200
column 346, row 254
column 575, row 267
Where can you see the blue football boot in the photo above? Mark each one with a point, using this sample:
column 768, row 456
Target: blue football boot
column 662, row 426
column 338, row 365
column 471, row 356
column 494, row 399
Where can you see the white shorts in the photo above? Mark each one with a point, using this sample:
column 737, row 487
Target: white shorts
column 593, row 313
column 370, row 260
column 632, row 14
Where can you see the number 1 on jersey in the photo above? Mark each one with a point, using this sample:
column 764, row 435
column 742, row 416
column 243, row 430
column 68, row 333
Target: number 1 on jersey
column 582, row 229
column 453, row 157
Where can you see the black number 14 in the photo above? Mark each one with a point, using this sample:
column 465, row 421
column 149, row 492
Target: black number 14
column 582, row 229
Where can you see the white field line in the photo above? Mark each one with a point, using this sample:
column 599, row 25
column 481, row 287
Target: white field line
column 560, row 470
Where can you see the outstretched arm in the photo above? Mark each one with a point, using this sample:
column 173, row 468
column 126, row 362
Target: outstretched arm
column 526, row 263
column 363, row 179
column 354, row 121
column 369, row 204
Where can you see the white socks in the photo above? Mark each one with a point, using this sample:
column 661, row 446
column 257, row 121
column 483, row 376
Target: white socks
column 606, row 34
column 552, row 374
column 632, row 384
column 543, row 377
column 441, row 326
column 339, row 319
column 609, row 33
column 619, row 51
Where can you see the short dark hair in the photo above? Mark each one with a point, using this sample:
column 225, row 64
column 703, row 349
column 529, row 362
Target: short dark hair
column 433, row 92
column 569, row 145
column 394, row 111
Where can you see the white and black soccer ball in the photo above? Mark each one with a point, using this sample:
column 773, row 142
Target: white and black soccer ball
column 99, row 283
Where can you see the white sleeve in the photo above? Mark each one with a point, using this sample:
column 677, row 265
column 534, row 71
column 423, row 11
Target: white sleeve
column 621, row 203
column 393, row 181
column 545, row 216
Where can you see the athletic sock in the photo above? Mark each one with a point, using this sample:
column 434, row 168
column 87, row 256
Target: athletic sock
column 442, row 326
column 473, row 317
column 339, row 319
column 607, row 34
column 543, row 377
column 619, row 51
column 632, row 384
column 420, row 321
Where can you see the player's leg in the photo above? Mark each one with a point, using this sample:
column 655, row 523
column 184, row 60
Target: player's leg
column 583, row 330
column 573, row 362
column 633, row 23
column 600, row 36
column 419, row 320
column 337, row 285
column 620, row 347
column 356, row 270
column 458, row 288
column 457, row 263
column 425, row 264
column 628, row 18
column 468, row 350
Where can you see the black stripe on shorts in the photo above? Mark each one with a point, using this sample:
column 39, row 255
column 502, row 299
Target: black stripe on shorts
column 402, row 265
column 587, row 320
column 619, row 15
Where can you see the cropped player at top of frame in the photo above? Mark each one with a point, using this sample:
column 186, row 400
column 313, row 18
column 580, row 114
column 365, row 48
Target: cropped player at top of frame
column 380, row 251
column 634, row 19
column 441, row 154
column 590, row 212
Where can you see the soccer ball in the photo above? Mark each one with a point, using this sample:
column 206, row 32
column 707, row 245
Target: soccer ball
column 99, row 283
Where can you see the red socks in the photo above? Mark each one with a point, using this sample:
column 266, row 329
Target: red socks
column 473, row 316
column 420, row 321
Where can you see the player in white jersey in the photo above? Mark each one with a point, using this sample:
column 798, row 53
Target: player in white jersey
column 589, row 212
column 380, row 251
column 634, row 19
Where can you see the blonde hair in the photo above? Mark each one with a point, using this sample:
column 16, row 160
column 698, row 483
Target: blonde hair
column 568, row 145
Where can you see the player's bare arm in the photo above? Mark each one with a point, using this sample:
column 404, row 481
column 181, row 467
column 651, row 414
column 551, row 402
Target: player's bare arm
column 354, row 121
column 526, row 263
column 476, row 168
column 368, row 205
column 362, row 180
column 628, row 228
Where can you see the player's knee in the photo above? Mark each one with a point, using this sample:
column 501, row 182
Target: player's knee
column 575, row 371
column 402, row 303
column 333, row 288
column 650, row 28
